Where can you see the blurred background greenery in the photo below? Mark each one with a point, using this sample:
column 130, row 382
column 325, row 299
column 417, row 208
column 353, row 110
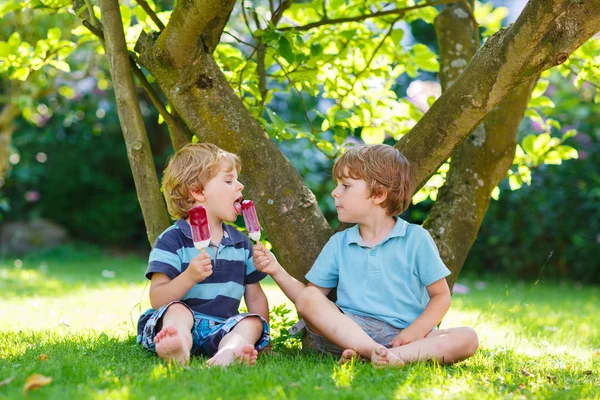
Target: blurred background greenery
column 69, row 165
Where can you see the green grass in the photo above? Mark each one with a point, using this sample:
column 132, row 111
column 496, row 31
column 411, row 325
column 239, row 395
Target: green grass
column 543, row 343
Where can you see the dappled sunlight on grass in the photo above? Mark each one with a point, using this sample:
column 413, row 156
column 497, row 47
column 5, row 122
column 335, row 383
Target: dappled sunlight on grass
column 543, row 343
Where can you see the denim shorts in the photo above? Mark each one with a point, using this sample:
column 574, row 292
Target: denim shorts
column 380, row 331
column 206, row 333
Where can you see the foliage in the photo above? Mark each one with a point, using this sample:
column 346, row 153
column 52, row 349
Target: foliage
column 558, row 213
column 74, row 169
column 281, row 321
column 532, row 343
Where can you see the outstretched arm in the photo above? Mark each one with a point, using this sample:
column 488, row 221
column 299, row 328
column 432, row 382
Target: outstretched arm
column 266, row 262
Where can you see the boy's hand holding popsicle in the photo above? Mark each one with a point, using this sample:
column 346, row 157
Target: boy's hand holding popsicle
column 200, row 266
column 264, row 260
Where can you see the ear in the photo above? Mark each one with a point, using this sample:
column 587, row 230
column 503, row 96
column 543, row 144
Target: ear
column 379, row 197
column 198, row 195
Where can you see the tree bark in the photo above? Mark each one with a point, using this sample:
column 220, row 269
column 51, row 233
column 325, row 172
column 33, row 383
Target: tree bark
column 482, row 160
column 544, row 35
column 132, row 123
column 7, row 127
column 288, row 210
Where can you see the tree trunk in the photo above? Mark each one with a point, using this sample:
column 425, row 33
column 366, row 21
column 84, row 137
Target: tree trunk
column 132, row 124
column 200, row 93
column 544, row 35
column 7, row 118
column 481, row 161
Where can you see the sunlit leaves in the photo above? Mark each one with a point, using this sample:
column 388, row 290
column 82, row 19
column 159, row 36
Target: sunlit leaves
column 489, row 17
column 19, row 58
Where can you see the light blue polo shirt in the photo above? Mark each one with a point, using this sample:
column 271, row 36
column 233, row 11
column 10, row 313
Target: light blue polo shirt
column 388, row 281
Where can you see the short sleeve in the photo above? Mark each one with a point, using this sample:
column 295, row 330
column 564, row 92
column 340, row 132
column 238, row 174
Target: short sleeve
column 163, row 259
column 428, row 264
column 325, row 270
column 252, row 274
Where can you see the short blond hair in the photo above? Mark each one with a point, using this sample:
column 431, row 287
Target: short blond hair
column 384, row 169
column 188, row 170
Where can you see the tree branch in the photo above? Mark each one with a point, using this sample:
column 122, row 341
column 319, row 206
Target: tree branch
column 481, row 161
column 544, row 35
column 150, row 12
column 179, row 133
column 132, row 123
column 312, row 129
column 192, row 19
column 358, row 18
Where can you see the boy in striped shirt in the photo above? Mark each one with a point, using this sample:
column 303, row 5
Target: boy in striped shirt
column 195, row 295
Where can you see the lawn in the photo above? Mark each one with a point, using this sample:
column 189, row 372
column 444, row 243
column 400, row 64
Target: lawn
column 70, row 314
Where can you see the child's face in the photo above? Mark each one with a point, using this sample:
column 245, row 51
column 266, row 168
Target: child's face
column 222, row 194
column 353, row 200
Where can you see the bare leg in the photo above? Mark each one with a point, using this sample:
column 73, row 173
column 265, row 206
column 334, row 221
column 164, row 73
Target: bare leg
column 325, row 319
column 445, row 345
column 238, row 345
column 174, row 341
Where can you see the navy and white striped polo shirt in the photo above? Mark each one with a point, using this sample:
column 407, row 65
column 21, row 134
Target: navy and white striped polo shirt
column 219, row 295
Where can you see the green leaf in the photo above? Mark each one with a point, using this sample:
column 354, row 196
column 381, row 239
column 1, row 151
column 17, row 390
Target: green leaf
column 540, row 88
column 14, row 40
column 60, row 65
column 276, row 120
column 373, row 135
column 425, row 58
column 326, row 147
column 54, row 35
column 496, row 193
column 397, row 35
column 541, row 101
column 527, row 144
column 569, row 134
column 285, row 50
column 515, row 182
column 4, row 49
column 341, row 115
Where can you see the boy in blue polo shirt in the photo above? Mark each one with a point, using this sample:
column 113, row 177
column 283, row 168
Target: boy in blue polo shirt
column 195, row 295
column 391, row 291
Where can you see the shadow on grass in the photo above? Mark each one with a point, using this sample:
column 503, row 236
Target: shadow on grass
column 62, row 270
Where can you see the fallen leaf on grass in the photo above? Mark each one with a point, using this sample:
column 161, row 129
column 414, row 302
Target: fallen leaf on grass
column 43, row 357
column 7, row 380
column 36, row 381
column 525, row 372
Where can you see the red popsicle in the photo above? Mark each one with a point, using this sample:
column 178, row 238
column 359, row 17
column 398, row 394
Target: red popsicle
column 251, row 220
column 200, row 227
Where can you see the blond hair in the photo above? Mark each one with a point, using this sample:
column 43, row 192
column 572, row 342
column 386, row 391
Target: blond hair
column 188, row 170
column 384, row 169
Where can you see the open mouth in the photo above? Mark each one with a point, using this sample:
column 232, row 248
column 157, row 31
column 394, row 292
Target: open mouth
column 237, row 205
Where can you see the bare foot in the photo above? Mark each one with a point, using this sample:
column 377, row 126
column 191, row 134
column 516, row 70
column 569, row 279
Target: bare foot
column 173, row 346
column 244, row 354
column 347, row 356
column 382, row 357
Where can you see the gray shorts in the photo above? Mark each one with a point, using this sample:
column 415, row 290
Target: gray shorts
column 380, row 331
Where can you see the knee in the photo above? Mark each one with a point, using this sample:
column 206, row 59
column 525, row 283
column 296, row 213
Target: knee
column 177, row 308
column 470, row 341
column 254, row 322
column 307, row 298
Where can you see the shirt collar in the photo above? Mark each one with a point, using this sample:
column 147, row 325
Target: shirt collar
column 231, row 235
column 399, row 230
